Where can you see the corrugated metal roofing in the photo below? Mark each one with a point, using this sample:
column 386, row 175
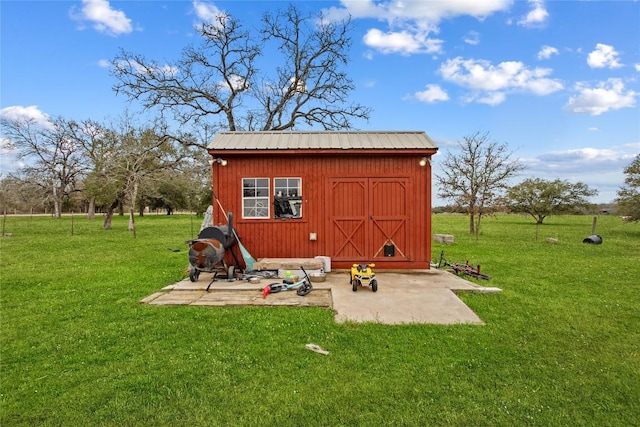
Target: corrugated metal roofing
column 288, row 140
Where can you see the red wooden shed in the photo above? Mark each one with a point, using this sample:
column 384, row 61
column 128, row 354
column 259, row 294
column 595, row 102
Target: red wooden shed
column 355, row 197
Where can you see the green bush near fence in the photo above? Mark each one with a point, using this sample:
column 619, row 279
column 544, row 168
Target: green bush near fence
column 559, row 347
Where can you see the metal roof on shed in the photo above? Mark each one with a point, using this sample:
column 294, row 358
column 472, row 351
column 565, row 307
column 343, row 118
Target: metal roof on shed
column 290, row 140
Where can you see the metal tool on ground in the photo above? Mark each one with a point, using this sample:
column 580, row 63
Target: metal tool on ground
column 363, row 275
column 460, row 268
column 302, row 286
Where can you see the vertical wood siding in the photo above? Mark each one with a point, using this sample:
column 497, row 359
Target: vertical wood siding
column 391, row 196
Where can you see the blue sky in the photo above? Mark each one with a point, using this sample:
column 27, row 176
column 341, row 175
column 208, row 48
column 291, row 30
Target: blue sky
column 558, row 81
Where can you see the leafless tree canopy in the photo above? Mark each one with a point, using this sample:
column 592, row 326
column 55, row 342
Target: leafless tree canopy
column 228, row 83
column 475, row 177
column 53, row 160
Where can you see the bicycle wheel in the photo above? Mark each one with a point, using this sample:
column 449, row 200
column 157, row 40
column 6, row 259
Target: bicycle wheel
column 304, row 289
column 276, row 287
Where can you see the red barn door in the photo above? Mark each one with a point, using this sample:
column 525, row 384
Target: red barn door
column 369, row 219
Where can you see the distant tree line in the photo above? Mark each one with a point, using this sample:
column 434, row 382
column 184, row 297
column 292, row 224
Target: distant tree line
column 475, row 180
column 89, row 166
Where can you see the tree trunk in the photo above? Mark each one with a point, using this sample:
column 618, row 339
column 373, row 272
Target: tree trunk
column 57, row 203
column 472, row 223
column 134, row 195
column 107, row 219
column 91, row 210
column 132, row 223
column 477, row 225
column 109, row 216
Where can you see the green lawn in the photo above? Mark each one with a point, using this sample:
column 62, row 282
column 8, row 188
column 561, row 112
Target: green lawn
column 560, row 345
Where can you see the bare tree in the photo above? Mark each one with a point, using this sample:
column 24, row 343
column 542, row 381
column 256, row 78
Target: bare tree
column 50, row 155
column 476, row 176
column 219, row 83
column 96, row 145
column 126, row 158
column 23, row 193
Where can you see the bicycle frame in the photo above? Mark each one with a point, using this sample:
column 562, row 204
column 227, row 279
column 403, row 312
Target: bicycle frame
column 302, row 286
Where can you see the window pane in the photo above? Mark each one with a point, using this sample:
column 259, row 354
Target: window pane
column 287, row 202
column 255, row 198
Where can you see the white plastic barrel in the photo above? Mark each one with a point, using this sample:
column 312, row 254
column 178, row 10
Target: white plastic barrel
column 327, row 263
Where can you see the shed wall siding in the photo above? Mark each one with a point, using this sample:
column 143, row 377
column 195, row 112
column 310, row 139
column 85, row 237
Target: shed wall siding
column 287, row 238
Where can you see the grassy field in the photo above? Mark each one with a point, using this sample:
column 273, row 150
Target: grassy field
column 560, row 345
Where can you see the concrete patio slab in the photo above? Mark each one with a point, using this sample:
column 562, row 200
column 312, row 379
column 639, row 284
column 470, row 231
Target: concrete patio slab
column 426, row 296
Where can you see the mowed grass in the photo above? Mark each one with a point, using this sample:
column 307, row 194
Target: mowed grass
column 560, row 345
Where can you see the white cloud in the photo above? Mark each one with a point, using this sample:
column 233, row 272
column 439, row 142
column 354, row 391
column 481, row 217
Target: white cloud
column 599, row 168
column 104, row 18
column 637, row 67
column 607, row 95
column 586, row 159
column 432, row 94
column 8, row 157
column 30, row 113
column 546, row 52
column 403, row 42
column 490, row 82
column 104, row 63
column 586, row 154
column 208, row 12
column 237, row 82
column 411, row 23
column 494, row 98
column 604, row 56
column 433, row 11
column 472, row 38
column 536, row 16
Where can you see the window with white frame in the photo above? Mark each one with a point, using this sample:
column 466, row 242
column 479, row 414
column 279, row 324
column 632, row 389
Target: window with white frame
column 255, row 197
column 287, row 200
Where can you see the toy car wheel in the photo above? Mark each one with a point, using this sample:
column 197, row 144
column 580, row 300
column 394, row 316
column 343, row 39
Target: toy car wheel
column 194, row 274
column 304, row 289
column 354, row 285
column 374, row 285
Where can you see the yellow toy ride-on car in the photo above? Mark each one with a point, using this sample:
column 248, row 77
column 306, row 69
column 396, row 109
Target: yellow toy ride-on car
column 363, row 275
